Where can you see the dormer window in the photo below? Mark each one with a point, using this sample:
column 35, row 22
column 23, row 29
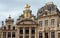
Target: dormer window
column 9, row 27
column 51, row 8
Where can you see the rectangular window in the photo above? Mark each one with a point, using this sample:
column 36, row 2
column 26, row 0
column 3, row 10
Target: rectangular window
column 20, row 36
column 9, row 34
column 46, row 22
column 58, row 35
column 27, row 30
column 13, row 34
column 46, row 35
column 33, row 30
column 40, row 23
column 32, row 36
column 52, row 21
column 26, row 36
column 40, row 35
column 21, row 30
column 4, row 34
column 52, row 34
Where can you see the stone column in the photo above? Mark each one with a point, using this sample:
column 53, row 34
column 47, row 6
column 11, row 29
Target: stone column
column 2, row 35
column 48, row 34
column 43, row 34
column 17, row 33
column 56, row 34
column 6, row 34
column 35, row 33
column 30, row 32
column 23, row 32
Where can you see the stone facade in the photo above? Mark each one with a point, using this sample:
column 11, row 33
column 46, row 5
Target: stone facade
column 45, row 25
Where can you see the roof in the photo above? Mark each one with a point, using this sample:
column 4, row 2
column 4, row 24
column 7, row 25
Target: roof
column 50, row 7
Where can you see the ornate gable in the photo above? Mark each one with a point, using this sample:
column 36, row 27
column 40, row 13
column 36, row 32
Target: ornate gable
column 27, row 17
column 47, row 10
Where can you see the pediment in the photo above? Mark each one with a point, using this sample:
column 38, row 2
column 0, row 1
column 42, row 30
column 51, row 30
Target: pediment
column 26, row 22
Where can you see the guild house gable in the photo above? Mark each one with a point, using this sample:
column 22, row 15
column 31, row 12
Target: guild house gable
column 45, row 25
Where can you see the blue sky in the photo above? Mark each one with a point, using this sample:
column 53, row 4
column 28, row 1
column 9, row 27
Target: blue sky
column 15, row 7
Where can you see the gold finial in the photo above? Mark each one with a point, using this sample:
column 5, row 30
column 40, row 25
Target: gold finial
column 27, row 6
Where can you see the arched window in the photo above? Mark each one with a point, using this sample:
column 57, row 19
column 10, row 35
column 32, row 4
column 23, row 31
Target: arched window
column 13, row 27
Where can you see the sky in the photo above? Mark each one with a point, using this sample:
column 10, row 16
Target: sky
column 15, row 7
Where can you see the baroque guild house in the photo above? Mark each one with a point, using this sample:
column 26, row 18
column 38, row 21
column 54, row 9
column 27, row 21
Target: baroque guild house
column 45, row 25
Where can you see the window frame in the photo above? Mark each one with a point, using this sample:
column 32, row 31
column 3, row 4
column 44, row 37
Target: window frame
column 9, row 27
column 52, row 21
column 13, row 34
column 40, row 23
column 52, row 34
column 46, row 22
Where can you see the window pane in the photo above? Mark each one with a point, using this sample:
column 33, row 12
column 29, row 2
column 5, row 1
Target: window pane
column 27, row 30
column 40, row 23
column 40, row 35
column 58, row 35
column 21, row 30
column 33, row 30
column 46, row 35
column 52, row 34
column 13, row 34
column 4, row 34
column 46, row 22
column 9, row 34
column 26, row 36
column 52, row 21
column 21, row 36
column 32, row 36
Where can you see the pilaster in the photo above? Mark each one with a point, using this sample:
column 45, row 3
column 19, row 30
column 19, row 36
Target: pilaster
column 23, row 32
column 30, row 32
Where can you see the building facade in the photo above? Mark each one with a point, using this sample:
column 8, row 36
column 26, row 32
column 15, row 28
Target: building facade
column 45, row 25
